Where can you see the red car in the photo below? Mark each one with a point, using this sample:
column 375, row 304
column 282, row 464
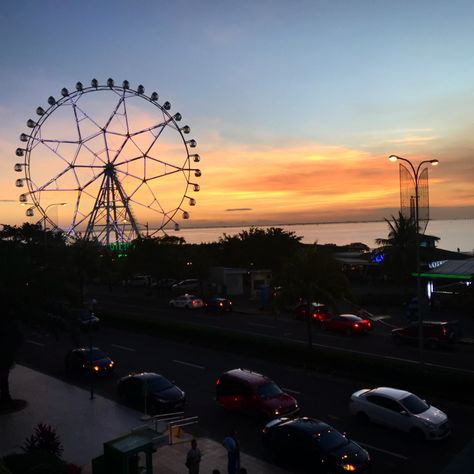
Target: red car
column 348, row 323
column 317, row 311
column 253, row 393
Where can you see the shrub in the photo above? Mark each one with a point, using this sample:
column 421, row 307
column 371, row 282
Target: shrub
column 44, row 438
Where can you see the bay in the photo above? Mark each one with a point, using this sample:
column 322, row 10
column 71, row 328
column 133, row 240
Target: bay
column 455, row 234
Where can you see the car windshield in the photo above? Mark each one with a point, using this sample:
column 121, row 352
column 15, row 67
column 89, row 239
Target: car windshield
column 269, row 390
column 414, row 404
column 330, row 439
column 157, row 384
column 95, row 354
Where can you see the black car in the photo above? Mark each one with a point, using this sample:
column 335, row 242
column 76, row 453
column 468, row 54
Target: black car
column 88, row 360
column 313, row 445
column 151, row 390
column 435, row 334
column 218, row 305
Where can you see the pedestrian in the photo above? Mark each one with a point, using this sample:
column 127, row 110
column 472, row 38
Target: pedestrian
column 193, row 458
column 233, row 452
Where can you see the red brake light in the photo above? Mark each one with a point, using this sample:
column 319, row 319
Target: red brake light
column 356, row 325
column 218, row 381
column 445, row 331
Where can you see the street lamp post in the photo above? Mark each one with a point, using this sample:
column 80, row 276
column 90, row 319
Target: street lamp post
column 415, row 177
column 46, row 209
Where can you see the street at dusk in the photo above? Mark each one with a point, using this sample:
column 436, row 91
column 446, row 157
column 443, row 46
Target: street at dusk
column 236, row 237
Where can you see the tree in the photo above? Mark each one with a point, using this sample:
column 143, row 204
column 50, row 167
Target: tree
column 313, row 274
column 260, row 248
column 399, row 249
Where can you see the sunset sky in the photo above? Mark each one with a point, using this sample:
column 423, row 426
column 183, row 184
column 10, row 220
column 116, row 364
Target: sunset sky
column 295, row 104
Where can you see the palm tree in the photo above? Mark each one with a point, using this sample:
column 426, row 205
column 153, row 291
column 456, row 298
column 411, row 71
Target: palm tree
column 399, row 249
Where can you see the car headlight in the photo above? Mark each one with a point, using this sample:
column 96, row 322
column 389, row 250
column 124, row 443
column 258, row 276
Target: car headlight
column 348, row 467
column 428, row 424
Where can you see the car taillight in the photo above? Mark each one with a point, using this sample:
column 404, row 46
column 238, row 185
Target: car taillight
column 96, row 368
column 218, row 381
column 356, row 325
column 265, row 430
column 221, row 304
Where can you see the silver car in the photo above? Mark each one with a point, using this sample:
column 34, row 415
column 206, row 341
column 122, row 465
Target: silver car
column 401, row 410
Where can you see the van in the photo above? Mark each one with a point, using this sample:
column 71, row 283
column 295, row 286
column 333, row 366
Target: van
column 255, row 394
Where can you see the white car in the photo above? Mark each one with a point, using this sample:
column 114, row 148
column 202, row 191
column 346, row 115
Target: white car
column 187, row 301
column 401, row 410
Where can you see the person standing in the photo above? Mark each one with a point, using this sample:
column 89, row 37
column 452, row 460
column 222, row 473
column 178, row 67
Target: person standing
column 193, row 458
column 233, row 452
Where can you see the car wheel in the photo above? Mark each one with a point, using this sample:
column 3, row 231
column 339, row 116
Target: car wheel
column 362, row 418
column 417, row 435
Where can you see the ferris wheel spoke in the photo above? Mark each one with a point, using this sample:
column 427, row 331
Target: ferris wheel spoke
column 114, row 112
column 129, row 160
column 161, row 125
column 166, row 173
column 86, row 116
column 161, row 162
column 52, row 180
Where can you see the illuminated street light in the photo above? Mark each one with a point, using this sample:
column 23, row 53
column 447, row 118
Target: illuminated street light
column 415, row 176
column 46, row 209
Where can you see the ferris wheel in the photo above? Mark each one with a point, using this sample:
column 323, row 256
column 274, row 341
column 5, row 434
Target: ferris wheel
column 115, row 156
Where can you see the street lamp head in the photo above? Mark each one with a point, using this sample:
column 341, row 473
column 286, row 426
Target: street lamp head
column 393, row 158
column 434, row 162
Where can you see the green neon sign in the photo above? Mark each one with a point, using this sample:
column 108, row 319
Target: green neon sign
column 444, row 275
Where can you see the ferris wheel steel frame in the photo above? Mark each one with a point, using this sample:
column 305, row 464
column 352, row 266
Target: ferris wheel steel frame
column 112, row 211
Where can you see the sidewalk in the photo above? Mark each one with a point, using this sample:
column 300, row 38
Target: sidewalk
column 83, row 425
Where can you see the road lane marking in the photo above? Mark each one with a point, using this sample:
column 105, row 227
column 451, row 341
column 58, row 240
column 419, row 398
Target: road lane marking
column 291, row 391
column 396, row 455
column 261, row 325
column 29, row 341
column 125, row 348
column 189, row 364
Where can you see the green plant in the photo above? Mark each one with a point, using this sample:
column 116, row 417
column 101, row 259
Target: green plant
column 44, row 438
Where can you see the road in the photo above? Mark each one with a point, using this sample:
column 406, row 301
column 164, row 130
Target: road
column 195, row 369
column 378, row 343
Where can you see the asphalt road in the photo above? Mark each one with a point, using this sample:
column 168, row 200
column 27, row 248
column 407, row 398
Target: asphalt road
column 378, row 343
column 195, row 369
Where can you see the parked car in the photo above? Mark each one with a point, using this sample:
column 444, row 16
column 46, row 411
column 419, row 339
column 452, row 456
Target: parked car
column 318, row 312
column 191, row 284
column 87, row 360
column 253, row 393
column 218, row 305
column 314, row 445
column 435, row 334
column 348, row 323
column 151, row 390
column 401, row 410
column 187, row 301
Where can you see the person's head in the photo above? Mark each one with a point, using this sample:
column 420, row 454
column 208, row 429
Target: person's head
column 193, row 443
